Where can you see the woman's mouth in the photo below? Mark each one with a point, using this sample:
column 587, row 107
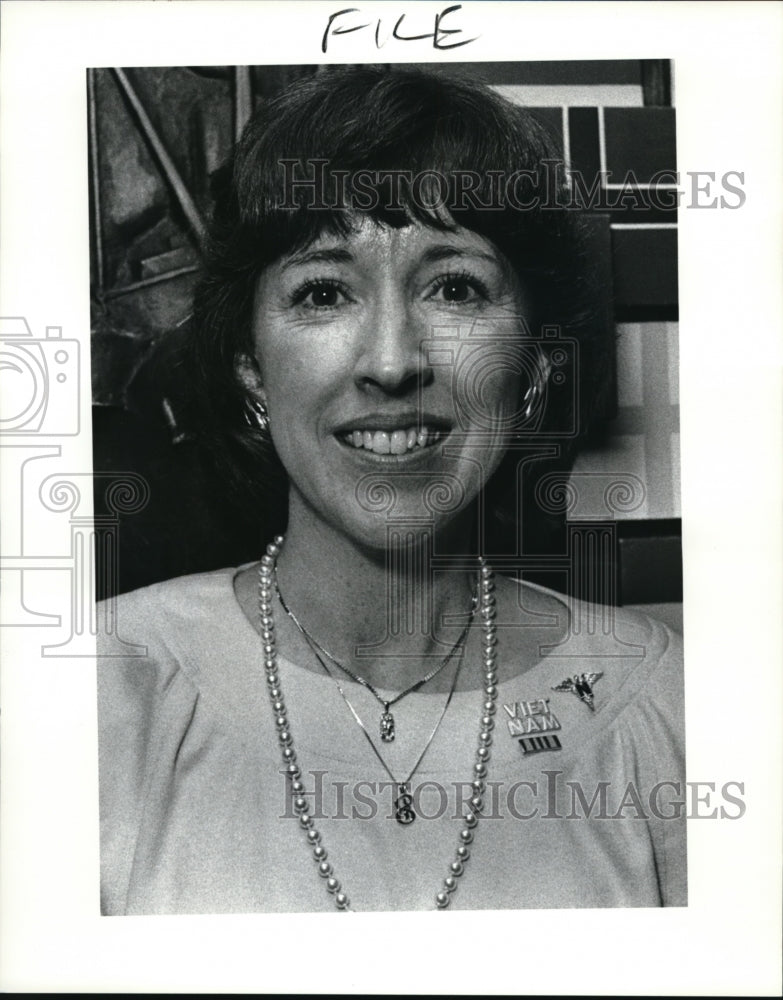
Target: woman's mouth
column 400, row 441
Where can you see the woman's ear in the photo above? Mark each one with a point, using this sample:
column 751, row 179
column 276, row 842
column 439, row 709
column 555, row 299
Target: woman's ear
column 249, row 375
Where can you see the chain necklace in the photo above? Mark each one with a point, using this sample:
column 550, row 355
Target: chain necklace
column 403, row 803
column 388, row 726
column 266, row 588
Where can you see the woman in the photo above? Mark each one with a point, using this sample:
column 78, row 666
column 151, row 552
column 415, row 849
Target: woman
column 372, row 717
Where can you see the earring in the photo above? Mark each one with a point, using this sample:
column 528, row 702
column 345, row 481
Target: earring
column 257, row 415
column 531, row 398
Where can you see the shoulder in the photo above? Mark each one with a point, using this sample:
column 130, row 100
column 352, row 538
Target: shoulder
column 600, row 630
column 651, row 651
column 633, row 665
column 573, row 627
column 164, row 611
column 163, row 638
column 180, row 593
column 627, row 656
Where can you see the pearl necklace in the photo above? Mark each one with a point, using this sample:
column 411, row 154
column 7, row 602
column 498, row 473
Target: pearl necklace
column 266, row 594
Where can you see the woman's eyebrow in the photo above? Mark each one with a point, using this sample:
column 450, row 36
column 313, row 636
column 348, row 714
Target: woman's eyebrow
column 324, row 255
column 445, row 250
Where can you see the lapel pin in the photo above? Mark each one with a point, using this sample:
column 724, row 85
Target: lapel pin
column 535, row 744
column 532, row 724
column 582, row 686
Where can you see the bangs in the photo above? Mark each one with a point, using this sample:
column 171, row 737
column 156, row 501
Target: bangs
column 399, row 147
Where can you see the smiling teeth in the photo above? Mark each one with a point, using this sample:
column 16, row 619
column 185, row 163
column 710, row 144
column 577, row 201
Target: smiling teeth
column 392, row 442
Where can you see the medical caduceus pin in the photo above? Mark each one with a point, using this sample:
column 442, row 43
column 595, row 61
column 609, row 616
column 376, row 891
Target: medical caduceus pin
column 582, row 686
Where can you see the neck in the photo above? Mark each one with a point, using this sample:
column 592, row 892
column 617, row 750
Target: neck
column 380, row 612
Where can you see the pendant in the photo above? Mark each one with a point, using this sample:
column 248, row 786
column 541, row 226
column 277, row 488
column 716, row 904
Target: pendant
column 387, row 726
column 582, row 686
column 403, row 806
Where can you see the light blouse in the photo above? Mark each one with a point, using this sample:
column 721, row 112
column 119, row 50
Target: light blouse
column 196, row 815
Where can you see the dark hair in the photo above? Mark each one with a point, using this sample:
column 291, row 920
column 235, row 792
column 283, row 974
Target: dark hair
column 382, row 120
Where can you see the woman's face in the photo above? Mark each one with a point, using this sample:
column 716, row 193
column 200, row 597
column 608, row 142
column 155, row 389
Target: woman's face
column 391, row 364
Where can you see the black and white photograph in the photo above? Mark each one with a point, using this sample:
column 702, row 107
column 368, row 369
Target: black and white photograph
column 355, row 362
column 389, row 497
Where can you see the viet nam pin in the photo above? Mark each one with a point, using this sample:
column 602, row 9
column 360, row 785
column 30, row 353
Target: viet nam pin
column 582, row 686
column 532, row 724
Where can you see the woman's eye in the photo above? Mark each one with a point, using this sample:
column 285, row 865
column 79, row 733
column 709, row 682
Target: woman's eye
column 319, row 295
column 459, row 290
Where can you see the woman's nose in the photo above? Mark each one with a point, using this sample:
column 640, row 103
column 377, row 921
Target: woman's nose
column 393, row 351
